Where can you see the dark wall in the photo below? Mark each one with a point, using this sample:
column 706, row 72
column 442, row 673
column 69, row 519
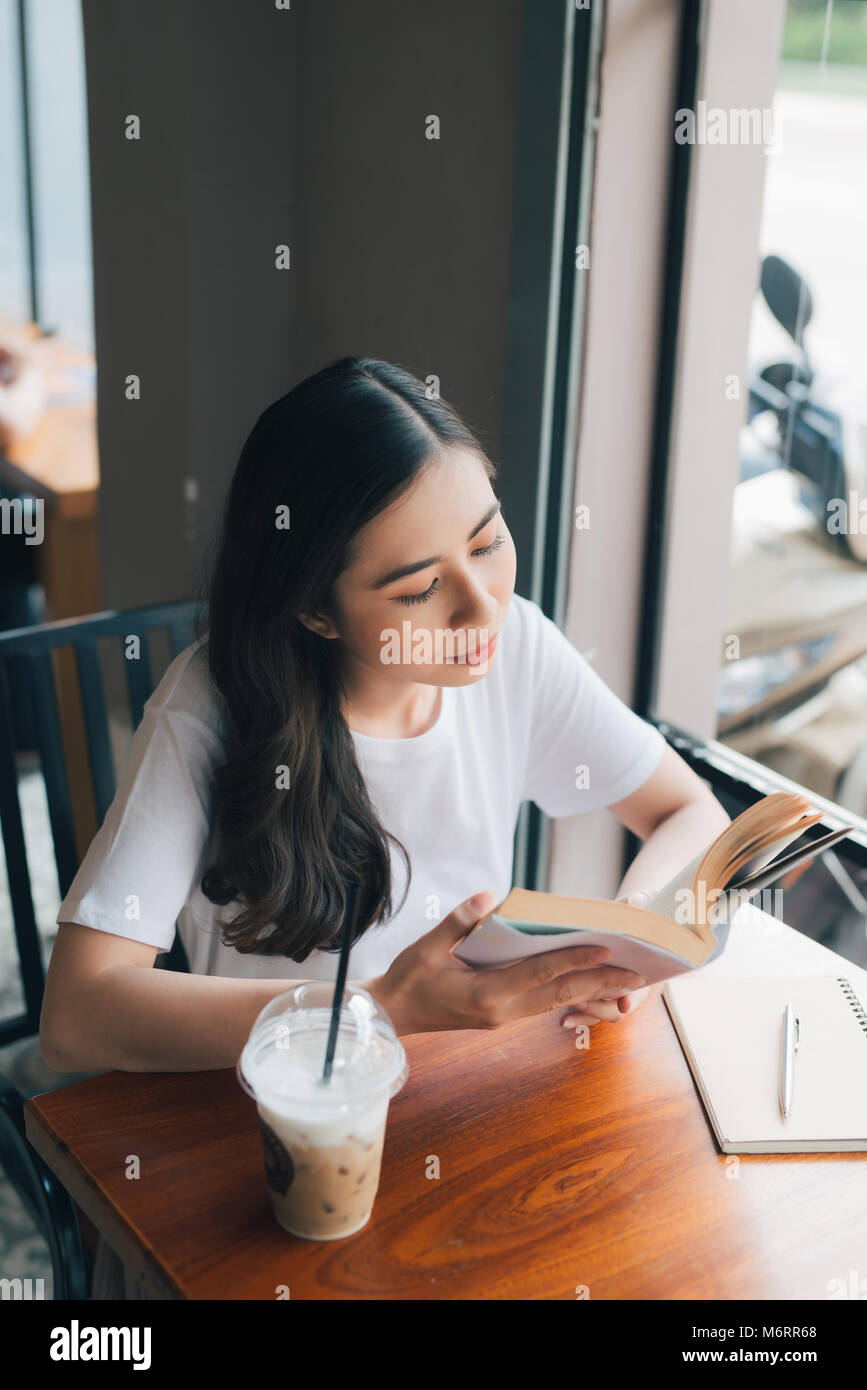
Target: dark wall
column 404, row 241
column 306, row 127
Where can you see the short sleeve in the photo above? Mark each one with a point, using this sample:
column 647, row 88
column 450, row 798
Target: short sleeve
column 142, row 863
column 587, row 749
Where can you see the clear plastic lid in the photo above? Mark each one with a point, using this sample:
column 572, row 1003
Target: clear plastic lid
column 284, row 1056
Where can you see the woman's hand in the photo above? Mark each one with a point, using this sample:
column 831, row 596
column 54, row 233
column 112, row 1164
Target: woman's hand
column 426, row 989
column 600, row 1011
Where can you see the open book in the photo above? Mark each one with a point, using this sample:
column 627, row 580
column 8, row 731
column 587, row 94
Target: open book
column 683, row 926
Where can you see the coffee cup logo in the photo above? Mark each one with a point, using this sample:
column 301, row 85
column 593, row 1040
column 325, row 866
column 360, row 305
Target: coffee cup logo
column 279, row 1168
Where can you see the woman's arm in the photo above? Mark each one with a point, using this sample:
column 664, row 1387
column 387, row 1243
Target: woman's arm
column 105, row 1008
column 676, row 815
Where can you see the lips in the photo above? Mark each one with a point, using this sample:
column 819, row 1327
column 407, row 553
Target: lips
column 477, row 658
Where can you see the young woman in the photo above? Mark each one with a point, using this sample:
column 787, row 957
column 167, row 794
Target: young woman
column 324, row 729
column 297, row 746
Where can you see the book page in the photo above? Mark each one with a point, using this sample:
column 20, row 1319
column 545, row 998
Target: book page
column 495, row 942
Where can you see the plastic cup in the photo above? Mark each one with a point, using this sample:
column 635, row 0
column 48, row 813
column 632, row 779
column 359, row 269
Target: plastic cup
column 322, row 1140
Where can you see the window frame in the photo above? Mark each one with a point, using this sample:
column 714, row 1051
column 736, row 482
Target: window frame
column 546, row 315
column 666, row 562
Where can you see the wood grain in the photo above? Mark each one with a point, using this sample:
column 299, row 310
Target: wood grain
column 559, row 1168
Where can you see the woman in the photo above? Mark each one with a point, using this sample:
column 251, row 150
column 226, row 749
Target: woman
column 371, row 702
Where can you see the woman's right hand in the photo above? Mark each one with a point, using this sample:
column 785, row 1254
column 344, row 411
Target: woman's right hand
column 426, row 989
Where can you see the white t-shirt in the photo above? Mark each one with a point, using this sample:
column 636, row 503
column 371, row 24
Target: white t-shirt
column 450, row 795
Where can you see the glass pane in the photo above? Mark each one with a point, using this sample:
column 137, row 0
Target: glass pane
column 14, row 275
column 792, row 691
column 58, row 105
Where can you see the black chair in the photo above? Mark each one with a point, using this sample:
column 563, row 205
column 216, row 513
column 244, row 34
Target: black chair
column 31, row 648
column 20, row 605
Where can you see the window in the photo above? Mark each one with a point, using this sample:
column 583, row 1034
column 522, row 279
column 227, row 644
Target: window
column 45, row 241
column 793, row 686
column 755, row 637
column 14, row 274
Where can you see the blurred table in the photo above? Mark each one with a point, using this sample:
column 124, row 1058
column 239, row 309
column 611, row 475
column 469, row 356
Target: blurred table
column 59, row 462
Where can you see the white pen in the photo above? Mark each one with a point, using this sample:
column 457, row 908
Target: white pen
column 790, row 1040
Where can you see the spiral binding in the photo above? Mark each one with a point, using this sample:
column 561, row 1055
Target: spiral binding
column 854, row 1002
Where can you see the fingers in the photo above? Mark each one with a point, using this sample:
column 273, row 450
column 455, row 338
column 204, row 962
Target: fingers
column 578, row 987
column 636, row 899
column 610, row 1011
column 545, row 968
column 593, row 1011
column 629, row 1002
column 462, row 919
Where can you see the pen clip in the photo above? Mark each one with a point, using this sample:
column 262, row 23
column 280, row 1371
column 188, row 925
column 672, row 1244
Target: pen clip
column 797, row 1034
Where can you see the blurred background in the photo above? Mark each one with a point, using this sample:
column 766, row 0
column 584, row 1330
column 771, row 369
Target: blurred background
column 662, row 345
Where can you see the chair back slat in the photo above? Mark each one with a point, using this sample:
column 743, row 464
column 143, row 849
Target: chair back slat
column 96, row 724
column 138, row 676
column 18, row 876
column 28, row 653
column 181, row 634
column 32, row 649
column 53, row 767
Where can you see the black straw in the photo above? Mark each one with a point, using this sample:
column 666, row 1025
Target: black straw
column 350, row 918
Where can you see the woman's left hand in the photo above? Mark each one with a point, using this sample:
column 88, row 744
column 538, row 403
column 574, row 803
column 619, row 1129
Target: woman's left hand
column 611, row 1011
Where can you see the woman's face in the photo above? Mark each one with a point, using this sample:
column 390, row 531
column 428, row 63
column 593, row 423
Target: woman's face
column 430, row 580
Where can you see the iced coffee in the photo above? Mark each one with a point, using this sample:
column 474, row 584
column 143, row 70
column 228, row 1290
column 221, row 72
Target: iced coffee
column 322, row 1140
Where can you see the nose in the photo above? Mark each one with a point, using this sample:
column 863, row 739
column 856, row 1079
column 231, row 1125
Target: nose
column 477, row 608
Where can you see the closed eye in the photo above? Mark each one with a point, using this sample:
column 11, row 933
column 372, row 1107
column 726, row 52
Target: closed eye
column 423, row 598
column 418, row 598
column 495, row 545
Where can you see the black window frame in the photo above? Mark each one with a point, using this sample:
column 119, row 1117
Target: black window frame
column 27, row 156
column 561, row 49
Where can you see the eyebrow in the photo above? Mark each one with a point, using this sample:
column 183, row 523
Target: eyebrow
column 403, row 570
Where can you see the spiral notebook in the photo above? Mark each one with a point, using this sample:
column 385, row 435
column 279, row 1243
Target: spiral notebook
column 730, row 1029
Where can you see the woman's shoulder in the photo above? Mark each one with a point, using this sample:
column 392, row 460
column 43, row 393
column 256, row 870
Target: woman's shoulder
column 536, row 653
column 522, row 614
column 187, row 693
column 535, row 633
column 524, row 629
column 509, row 683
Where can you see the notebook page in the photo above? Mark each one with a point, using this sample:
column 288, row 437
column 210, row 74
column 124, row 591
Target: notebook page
column 732, row 1029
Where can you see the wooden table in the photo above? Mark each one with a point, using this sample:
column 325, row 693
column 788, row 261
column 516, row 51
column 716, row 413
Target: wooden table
column 59, row 463
column 560, row 1170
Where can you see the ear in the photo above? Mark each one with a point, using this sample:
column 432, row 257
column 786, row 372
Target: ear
column 319, row 624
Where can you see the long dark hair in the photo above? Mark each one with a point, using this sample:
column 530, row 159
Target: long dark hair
column 334, row 451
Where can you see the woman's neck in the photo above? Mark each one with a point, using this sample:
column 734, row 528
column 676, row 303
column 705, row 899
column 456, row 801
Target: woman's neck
column 403, row 710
